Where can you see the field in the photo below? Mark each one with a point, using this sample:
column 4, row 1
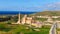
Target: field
column 21, row 29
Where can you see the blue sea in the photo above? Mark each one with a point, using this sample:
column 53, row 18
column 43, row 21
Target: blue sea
column 15, row 12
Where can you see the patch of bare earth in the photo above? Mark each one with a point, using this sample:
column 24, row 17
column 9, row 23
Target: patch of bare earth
column 58, row 32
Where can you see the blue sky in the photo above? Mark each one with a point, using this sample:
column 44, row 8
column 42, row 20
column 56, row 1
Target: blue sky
column 29, row 5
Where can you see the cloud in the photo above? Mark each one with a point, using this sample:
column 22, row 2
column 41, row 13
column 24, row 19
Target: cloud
column 35, row 8
column 53, row 6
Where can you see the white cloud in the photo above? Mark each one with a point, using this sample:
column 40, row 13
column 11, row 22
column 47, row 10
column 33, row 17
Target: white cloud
column 53, row 6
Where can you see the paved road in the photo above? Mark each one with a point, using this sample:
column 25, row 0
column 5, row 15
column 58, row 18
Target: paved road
column 53, row 29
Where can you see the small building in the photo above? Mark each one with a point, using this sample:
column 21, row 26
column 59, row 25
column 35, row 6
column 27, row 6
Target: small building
column 37, row 24
column 28, row 20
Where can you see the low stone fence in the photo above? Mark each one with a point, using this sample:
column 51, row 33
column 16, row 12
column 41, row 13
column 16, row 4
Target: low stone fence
column 58, row 25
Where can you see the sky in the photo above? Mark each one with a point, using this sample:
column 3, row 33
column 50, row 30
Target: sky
column 29, row 5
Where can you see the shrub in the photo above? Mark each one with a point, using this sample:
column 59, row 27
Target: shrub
column 9, row 22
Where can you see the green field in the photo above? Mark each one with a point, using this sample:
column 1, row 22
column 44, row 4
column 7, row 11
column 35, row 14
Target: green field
column 21, row 29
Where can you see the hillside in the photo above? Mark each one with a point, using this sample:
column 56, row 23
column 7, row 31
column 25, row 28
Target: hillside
column 44, row 13
column 50, row 13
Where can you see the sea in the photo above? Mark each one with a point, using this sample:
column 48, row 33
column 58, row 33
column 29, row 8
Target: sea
column 15, row 12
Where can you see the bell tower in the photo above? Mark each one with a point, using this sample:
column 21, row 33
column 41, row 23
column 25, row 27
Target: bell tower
column 18, row 22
